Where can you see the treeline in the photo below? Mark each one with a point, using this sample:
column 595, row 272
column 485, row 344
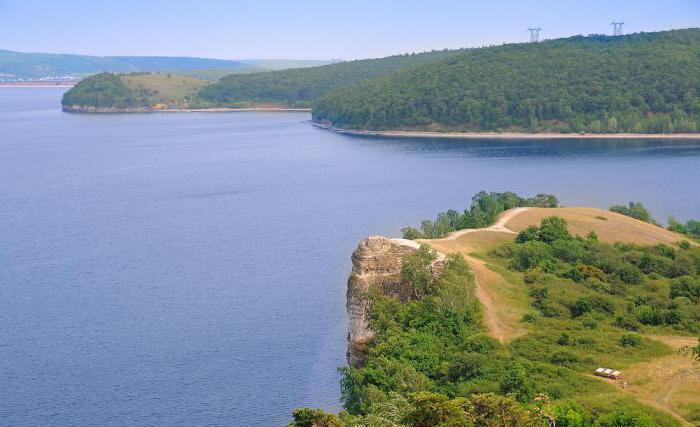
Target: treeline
column 106, row 90
column 485, row 208
column 646, row 83
column 300, row 87
column 690, row 228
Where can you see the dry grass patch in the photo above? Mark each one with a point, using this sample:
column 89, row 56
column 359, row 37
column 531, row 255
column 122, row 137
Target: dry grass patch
column 171, row 90
column 610, row 227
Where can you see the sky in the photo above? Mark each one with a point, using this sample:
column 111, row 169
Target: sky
column 314, row 29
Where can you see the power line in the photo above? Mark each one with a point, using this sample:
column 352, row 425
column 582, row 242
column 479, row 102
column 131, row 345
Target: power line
column 617, row 28
column 534, row 34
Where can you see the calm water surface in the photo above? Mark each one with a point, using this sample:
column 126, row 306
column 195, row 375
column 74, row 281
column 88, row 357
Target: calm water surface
column 189, row 269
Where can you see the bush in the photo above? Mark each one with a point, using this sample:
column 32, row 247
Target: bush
column 686, row 286
column 564, row 358
column 531, row 254
column 629, row 340
column 308, row 417
column 624, row 419
column 553, row 228
column 466, row 366
column 635, row 210
column 629, row 274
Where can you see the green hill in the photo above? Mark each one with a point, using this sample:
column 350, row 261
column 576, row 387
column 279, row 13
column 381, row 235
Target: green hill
column 300, row 87
column 646, row 82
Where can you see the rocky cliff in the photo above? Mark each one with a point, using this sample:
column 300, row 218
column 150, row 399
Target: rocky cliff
column 376, row 263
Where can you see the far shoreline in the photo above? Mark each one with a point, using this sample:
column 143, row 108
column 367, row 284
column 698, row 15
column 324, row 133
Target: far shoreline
column 147, row 110
column 507, row 135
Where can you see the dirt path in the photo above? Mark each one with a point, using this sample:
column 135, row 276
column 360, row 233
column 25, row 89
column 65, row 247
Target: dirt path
column 501, row 318
column 499, row 225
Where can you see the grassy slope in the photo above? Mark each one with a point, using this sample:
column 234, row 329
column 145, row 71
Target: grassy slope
column 655, row 375
column 170, row 90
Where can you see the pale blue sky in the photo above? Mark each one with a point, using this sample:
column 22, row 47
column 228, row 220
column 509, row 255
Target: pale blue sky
column 314, row 29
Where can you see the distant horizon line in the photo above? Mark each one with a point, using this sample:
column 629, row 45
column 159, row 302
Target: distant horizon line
column 332, row 60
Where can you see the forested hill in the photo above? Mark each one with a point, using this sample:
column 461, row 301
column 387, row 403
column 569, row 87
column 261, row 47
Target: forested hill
column 300, row 87
column 645, row 82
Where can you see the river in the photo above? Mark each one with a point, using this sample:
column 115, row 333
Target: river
column 190, row 268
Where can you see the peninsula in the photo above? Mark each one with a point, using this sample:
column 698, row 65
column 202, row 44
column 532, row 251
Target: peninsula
column 510, row 322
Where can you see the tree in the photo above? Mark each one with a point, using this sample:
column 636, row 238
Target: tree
column 492, row 410
column 635, row 210
column 553, row 228
column 308, row 417
column 416, row 270
column 436, row 410
column 515, row 381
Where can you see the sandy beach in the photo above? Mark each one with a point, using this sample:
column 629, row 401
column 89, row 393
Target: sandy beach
column 509, row 135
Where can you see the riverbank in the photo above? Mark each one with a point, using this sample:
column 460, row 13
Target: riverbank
column 508, row 135
column 114, row 110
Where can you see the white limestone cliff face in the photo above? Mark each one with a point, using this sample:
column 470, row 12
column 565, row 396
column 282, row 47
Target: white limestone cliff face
column 376, row 264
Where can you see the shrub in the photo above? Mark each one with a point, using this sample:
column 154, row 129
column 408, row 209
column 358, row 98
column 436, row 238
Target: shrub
column 624, row 418
column 571, row 251
column 635, row 210
column 565, row 339
column 516, row 381
column 553, row 228
column 629, row 274
column 630, row 340
column 564, row 358
column 466, row 366
column 686, row 286
column 308, row 417
column 528, row 234
column 531, row 254
column 627, row 322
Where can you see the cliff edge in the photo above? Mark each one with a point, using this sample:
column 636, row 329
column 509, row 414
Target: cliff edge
column 376, row 264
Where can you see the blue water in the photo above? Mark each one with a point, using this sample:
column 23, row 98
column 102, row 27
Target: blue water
column 190, row 269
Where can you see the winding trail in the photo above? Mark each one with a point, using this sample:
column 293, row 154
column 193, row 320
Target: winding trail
column 500, row 317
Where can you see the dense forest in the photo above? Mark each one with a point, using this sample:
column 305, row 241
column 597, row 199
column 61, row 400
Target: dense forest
column 645, row 82
column 299, row 87
column 105, row 90
column 591, row 304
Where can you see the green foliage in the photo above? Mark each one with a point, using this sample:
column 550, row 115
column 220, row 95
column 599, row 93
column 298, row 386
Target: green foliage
column 593, row 281
column 416, row 270
column 686, row 286
column 103, row 90
column 307, row 417
column 635, row 210
column 431, row 364
column 635, row 83
column 552, row 229
column 300, row 87
column 515, row 381
column 629, row 340
column 624, row 419
column 690, row 228
column 485, row 208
